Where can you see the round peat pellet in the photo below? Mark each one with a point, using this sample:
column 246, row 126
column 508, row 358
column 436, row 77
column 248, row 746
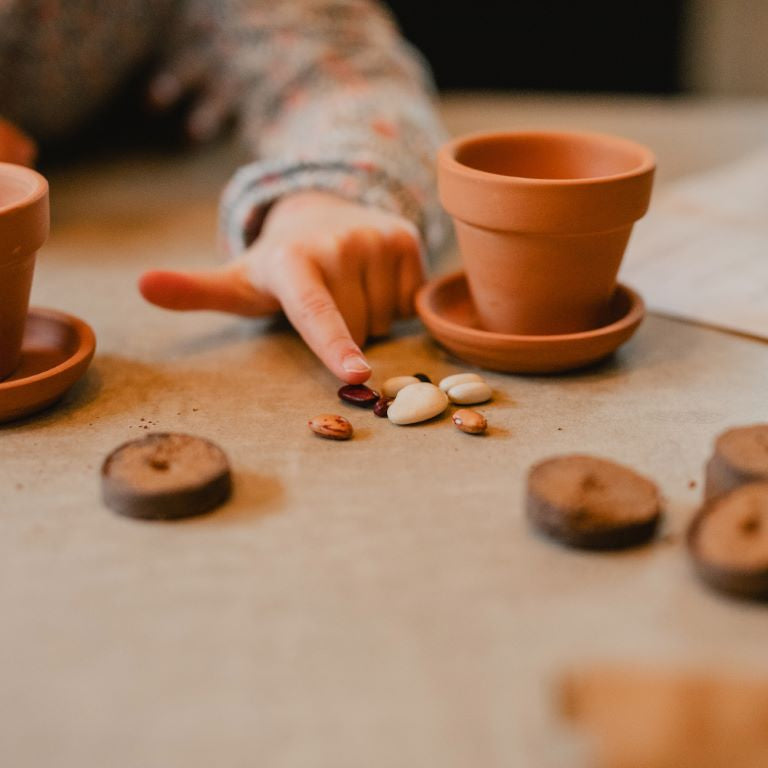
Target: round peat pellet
column 728, row 542
column 591, row 503
column 740, row 457
column 165, row 476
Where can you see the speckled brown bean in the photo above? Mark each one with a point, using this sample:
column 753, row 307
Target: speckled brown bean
column 469, row 421
column 382, row 406
column 359, row 394
column 331, row 426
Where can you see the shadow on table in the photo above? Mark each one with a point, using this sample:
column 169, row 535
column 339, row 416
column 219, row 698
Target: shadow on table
column 276, row 325
column 79, row 397
column 254, row 496
column 659, row 343
column 234, row 332
column 112, row 386
column 614, row 365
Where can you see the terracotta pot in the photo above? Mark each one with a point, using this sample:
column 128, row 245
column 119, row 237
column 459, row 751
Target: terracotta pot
column 542, row 220
column 23, row 229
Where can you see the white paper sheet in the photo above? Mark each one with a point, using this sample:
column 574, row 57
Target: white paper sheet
column 701, row 253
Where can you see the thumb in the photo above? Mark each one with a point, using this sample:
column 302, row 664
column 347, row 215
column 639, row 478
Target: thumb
column 226, row 289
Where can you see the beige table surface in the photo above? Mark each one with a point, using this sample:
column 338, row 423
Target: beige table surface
column 376, row 603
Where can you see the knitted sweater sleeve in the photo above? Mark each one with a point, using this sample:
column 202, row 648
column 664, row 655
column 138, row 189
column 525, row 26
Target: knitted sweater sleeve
column 334, row 99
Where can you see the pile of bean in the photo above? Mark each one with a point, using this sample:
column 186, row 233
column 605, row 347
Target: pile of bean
column 411, row 400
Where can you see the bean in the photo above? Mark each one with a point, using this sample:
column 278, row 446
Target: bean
column 359, row 395
column 469, row 421
column 331, row 426
column 392, row 386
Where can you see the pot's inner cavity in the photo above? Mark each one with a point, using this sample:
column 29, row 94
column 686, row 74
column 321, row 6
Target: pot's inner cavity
column 550, row 157
column 13, row 191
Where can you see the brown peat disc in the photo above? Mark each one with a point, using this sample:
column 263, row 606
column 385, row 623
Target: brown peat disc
column 740, row 457
column 728, row 541
column 165, row 476
column 592, row 503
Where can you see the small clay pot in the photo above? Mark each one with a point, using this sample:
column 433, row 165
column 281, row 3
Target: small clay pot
column 542, row 220
column 23, row 229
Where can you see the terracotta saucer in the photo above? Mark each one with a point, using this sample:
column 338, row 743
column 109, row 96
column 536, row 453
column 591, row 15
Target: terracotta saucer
column 446, row 308
column 56, row 352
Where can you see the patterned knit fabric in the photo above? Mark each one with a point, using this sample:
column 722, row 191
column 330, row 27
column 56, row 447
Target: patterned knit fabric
column 329, row 94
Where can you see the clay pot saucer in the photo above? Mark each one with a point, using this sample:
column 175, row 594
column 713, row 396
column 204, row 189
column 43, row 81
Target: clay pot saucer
column 56, row 351
column 446, row 308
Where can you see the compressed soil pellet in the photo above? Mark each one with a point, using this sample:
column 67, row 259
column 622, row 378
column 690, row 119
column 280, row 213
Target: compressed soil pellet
column 740, row 457
column 331, row 426
column 469, row 421
column 416, row 403
column 728, row 541
column 165, row 476
column 359, row 394
column 592, row 503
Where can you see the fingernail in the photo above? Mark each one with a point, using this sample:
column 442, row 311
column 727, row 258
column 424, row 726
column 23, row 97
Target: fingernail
column 355, row 364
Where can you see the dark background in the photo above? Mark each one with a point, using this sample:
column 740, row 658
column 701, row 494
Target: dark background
column 549, row 45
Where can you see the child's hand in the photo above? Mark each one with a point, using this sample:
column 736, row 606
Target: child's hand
column 340, row 271
column 15, row 146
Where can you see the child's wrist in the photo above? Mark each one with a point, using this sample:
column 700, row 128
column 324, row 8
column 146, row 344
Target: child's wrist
column 296, row 201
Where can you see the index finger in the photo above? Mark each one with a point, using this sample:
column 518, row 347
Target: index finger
column 310, row 307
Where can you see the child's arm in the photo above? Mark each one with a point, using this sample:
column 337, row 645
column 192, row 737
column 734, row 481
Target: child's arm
column 335, row 99
column 337, row 103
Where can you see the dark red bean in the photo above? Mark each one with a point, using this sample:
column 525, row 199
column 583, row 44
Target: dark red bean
column 382, row 406
column 423, row 377
column 359, row 394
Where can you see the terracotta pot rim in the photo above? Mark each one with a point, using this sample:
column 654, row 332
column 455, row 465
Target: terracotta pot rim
column 24, row 221
column 447, row 158
column 86, row 345
column 36, row 183
column 636, row 311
